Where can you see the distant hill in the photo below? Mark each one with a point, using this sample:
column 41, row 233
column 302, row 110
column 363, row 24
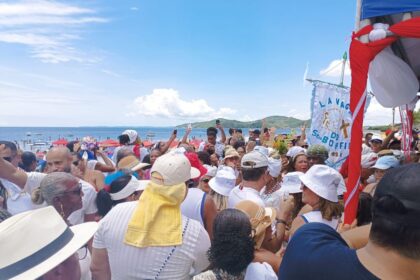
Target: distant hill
column 273, row 121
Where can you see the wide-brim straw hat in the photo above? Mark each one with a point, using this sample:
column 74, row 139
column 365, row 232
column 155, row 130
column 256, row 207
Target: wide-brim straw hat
column 34, row 242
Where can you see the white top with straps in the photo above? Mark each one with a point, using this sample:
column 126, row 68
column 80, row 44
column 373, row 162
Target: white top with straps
column 193, row 205
column 316, row 217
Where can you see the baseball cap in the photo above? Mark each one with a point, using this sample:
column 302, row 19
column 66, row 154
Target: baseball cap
column 254, row 159
column 402, row 183
column 172, row 169
column 132, row 135
column 323, row 180
column 386, row 162
column 256, row 131
column 262, row 149
column 291, row 182
column 376, row 138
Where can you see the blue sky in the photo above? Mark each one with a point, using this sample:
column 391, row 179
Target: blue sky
column 155, row 62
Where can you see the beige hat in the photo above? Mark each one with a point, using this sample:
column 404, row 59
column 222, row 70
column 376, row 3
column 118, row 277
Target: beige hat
column 34, row 242
column 132, row 186
column 261, row 218
column 131, row 162
column 173, row 169
column 230, row 153
column 254, row 159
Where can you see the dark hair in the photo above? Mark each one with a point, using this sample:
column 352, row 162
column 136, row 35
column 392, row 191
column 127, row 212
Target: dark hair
column 10, row 145
column 124, row 139
column 232, row 247
column 297, row 198
column 204, row 157
column 103, row 198
column 211, row 131
column 70, row 145
column 231, row 131
column 239, row 144
column 364, row 209
column 146, row 159
column 388, row 233
column 28, row 158
column 122, row 153
column 239, row 130
column 368, row 134
column 291, row 167
column 4, row 214
column 253, row 174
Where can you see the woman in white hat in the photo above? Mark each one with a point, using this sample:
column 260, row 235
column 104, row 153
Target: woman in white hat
column 124, row 187
column 321, row 186
column 221, row 185
column 49, row 252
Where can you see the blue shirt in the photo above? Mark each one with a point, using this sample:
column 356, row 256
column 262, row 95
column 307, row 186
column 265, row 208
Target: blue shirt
column 317, row 251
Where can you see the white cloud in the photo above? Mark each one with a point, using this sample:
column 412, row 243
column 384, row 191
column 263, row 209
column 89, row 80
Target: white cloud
column 168, row 103
column 110, row 73
column 334, row 69
column 48, row 28
column 134, row 8
column 376, row 114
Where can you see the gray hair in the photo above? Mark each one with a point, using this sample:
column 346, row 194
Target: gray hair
column 51, row 186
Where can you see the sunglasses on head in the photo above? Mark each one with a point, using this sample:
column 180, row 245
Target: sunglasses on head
column 77, row 191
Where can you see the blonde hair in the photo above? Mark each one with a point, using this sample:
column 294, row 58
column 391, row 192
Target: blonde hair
column 330, row 210
column 51, row 186
column 219, row 200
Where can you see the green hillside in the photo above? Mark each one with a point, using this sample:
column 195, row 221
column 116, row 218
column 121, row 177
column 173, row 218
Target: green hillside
column 273, row 121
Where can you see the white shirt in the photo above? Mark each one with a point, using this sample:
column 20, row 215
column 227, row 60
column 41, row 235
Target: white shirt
column 130, row 262
column 193, row 205
column 88, row 199
column 237, row 195
column 18, row 200
column 261, row 271
column 316, row 217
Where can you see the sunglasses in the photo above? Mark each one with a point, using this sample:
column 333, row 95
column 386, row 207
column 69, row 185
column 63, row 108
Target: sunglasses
column 9, row 159
column 77, row 191
column 205, row 180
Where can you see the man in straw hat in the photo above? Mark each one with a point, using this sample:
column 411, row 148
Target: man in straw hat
column 317, row 251
column 49, row 252
column 151, row 239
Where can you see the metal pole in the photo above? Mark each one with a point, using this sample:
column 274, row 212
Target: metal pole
column 393, row 117
column 343, row 67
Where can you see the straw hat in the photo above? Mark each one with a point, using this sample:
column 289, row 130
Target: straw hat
column 131, row 162
column 50, row 242
column 261, row 218
column 231, row 153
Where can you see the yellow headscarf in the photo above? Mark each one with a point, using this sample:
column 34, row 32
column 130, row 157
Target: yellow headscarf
column 157, row 218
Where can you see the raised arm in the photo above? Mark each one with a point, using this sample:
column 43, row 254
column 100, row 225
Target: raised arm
column 11, row 173
column 187, row 133
column 164, row 148
column 222, row 132
column 108, row 166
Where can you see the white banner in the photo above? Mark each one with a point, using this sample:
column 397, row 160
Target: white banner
column 331, row 121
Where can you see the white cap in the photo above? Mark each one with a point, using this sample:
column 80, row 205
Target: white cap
column 291, row 182
column 323, row 180
column 224, row 181
column 274, row 167
column 132, row 135
column 376, row 137
column 254, row 159
column 294, row 151
column 262, row 150
column 173, row 169
column 211, row 170
column 132, row 186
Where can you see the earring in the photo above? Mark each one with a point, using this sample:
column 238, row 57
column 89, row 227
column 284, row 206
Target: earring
column 62, row 211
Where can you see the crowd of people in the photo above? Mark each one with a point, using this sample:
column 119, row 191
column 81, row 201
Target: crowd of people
column 262, row 206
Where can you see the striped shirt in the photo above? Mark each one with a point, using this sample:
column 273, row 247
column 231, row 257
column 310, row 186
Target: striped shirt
column 129, row 262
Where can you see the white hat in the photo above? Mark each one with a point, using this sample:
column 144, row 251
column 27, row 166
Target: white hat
column 174, row 169
column 376, row 137
column 133, row 185
column 274, row 167
column 254, row 159
column 294, row 151
column 386, row 162
column 224, row 181
column 262, row 149
column 322, row 180
column 132, row 135
column 211, row 170
column 291, row 182
column 34, row 242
